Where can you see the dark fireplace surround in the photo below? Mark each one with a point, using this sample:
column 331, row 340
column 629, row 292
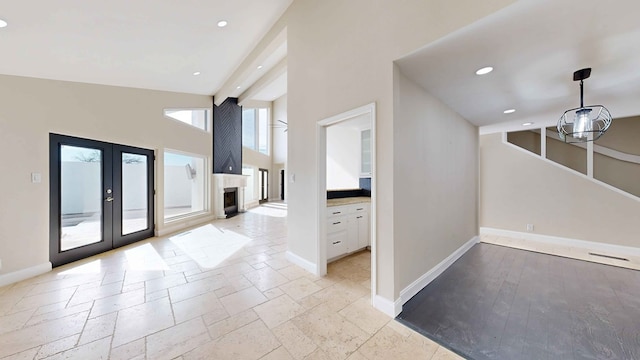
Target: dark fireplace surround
column 230, row 201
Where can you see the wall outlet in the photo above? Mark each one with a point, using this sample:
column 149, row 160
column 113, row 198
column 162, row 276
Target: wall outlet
column 36, row 178
column 530, row 227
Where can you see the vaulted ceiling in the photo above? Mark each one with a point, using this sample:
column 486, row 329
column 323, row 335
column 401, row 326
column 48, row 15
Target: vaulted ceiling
column 143, row 43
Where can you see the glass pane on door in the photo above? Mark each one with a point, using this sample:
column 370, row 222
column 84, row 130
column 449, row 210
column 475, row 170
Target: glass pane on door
column 80, row 196
column 134, row 193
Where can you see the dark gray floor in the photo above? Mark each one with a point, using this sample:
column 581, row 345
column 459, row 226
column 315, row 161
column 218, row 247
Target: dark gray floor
column 501, row 303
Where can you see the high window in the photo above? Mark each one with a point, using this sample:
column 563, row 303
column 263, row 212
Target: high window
column 185, row 180
column 199, row 118
column 255, row 129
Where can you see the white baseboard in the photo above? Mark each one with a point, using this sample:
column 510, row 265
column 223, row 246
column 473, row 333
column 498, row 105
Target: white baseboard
column 424, row 280
column 178, row 225
column 565, row 247
column 386, row 306
column 14, row 277
column 303, row 263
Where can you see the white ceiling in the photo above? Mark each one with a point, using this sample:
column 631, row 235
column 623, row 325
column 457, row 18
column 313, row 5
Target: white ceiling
column 534, row 47
column 142, row 43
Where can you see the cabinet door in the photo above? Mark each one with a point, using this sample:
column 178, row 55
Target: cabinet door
column 352, row 234
column 336, row 244
column 364, row 239
column 365, row 153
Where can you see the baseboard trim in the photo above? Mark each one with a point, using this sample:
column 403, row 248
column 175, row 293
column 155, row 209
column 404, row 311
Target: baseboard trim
column 185, row 224
column 303, row 263
column 410, row 291
column 14, row 277
column 386, row 306
column 565, row 247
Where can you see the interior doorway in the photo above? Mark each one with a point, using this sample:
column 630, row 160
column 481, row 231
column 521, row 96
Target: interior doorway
column 366, row 113
column 101, row 197
column 263, row 185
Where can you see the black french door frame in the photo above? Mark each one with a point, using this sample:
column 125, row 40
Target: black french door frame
column 264, row 185
column 112, row 214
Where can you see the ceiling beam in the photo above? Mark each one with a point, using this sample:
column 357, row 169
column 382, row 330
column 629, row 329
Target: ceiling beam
column 274, row 73
column 272, row 40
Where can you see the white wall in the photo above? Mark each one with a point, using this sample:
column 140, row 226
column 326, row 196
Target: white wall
column 332, row 69
column 518, row 188
column 279, row 147
column 343, row 157
column 436, row 191
column 32, row 108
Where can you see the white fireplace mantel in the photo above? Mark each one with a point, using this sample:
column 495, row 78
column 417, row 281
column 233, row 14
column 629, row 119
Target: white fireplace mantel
column 222, row 181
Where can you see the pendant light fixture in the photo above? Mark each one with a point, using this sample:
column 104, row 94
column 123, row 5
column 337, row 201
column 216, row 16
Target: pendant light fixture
column 586, row 123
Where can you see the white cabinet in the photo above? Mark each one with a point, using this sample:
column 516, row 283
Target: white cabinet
column 347, row 229
column 365, row 153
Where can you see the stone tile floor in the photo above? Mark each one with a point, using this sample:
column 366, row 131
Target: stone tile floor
column 220, row 291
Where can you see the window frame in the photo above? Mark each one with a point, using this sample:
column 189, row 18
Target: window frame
column 208, row 121
column 256, row 134
column 206, row 204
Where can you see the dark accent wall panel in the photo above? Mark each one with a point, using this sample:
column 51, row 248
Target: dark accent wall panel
column 227, row 137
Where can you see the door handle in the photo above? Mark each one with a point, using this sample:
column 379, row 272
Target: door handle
column 109, row 199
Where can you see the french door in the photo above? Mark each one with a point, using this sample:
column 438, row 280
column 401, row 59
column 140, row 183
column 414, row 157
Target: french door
column 101, row 197
column 263, row 185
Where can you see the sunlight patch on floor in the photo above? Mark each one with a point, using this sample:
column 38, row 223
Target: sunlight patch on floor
column 145, row 258
column 209, row 245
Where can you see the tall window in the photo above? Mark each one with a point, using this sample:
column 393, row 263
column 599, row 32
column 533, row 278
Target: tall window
column 199, row 118
column 185, row 190
column 255, row 129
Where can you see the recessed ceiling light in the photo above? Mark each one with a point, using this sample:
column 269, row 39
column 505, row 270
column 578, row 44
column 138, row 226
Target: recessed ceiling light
column 527, row 124
column 222, row 23
column 484, row 70
column 259, row 67
column 196, row 73
column 3, row 23
column 509, row 111
column 238, row 87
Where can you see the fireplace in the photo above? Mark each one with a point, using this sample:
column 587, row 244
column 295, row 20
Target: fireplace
column 230, row 201
column 228, row 194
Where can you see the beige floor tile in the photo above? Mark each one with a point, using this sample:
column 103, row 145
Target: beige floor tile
column 273, row 293
column 279, row 310
column 294, row 340
column 36, row 301
column 29, row 337
column 242, row 300
column 24, row 355
column 98, row 328
column 129, row 351
column 357, row 356
column 14, row 321
column 278, row 354
column 330, row 331
column 232, row 323
column 365, row 316
column 84, row 295
column 234, row 345
column 198, row 306
column 198, row 287
column 164, row 282
column 177, row 340
column 300, row 288
column 141, row 320
column 445, row 354
column 389, row 344
column 117, row 302
column 319, row 354
column 266, row 278
column 57, row 346
column 52, row 315
column 95, row 350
